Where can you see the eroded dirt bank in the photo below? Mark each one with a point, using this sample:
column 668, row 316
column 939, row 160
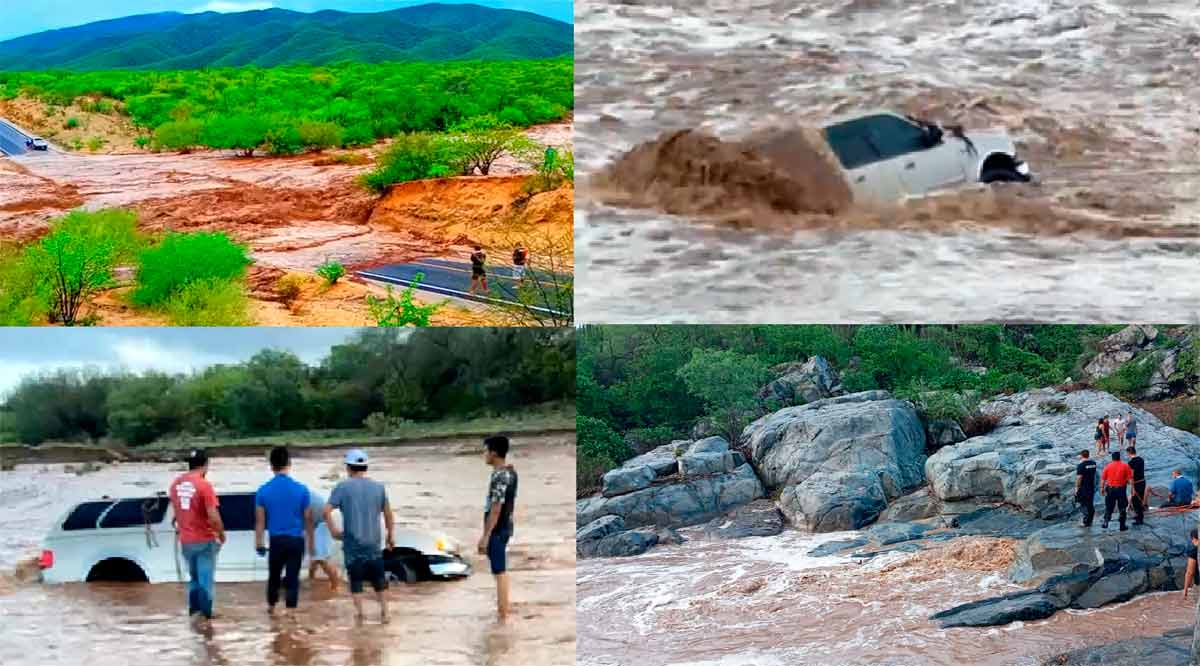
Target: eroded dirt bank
column 294, row 213
column 1097, row 97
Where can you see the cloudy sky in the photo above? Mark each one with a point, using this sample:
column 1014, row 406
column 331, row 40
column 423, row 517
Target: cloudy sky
column 28, row 350
column 23, row 18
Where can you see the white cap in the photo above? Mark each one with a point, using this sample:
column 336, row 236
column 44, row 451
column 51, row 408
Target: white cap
column 356, row 457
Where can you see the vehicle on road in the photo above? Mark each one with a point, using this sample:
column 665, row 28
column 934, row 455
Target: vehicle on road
column 37, row 143
column 133, row 539
column 888, row 156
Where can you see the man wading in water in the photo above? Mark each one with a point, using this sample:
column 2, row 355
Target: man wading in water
column 282, row 508
column 201, row 532
column 497, row 516
column 362, row 501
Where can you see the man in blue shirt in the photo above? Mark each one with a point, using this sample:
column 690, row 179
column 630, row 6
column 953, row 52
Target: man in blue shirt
column 1181, row 490
column 281, row 507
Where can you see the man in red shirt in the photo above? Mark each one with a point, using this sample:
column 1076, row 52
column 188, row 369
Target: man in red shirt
column 201, row 532
column 1114, row 487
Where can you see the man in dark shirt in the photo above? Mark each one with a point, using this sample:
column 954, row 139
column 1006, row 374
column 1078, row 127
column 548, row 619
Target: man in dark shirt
column 498, row 516
column 1192, row 575
column 1182, row 490
column 1085, row 486
column 478, row 270
column 1116, row 478
column 1139, row 498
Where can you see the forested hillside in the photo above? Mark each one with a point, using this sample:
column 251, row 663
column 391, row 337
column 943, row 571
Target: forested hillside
column 275, row 37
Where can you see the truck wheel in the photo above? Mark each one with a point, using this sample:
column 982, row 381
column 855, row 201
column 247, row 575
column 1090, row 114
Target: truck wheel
column 1001, row 175
column 407, row 574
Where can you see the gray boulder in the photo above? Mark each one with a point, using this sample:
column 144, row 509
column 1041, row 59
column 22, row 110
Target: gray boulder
column 709, row 445
column 621, row 544
column 800, row 383
column 705, row 427
column 626, row 480
column 1173, row 648
column 1016, row 607
column 688, row 501
column 1118, row 349
column 837, row 547
column 662, row 460
column 758, row 518
column 701, row 464
column 598, row 529
column 1029, row 460
column 839, row 460
column 944, row 432
column 886, row 534
column 914, row 506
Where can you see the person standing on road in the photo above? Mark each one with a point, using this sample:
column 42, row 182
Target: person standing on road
column 1116, row 478
column 478, row 270
column 1085, row 487
column 1101, row 445
column 520, row 258
column 1139, row 500
column 201, row 532
column 322, row 544
column 362, row 501
column 1118, row 425
column 282, row 508
column 498, row 516
column 1131, row 430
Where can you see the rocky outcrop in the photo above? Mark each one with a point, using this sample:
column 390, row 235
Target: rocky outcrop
column 1173, row 648
column 1076, row 567
column 1145, row 346
column 1118, row 349
column 758, row 518
column 944, row 432
column 838, row 461
column 678, row 484
column 915, row 506
column 800, row 383
column 1029, row 460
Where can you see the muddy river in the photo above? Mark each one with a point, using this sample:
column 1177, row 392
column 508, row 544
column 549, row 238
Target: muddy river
column 1099, row 97
column 763, row 602
column 444, row 623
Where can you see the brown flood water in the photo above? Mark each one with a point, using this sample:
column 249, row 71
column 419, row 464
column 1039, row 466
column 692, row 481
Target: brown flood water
column 443, row 623
column 764, row 602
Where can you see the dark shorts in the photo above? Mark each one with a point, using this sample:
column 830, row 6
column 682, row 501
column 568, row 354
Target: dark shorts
column 497, row 550
column 478, row 272
column 364, row 570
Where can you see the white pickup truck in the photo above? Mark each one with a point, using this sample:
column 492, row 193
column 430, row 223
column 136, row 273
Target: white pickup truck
column 133, row 539
column 887, row 156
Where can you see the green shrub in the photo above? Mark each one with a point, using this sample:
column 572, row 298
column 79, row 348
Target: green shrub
column 1188, row 417
column 181, row 135
column 331, row 271
column 76, row 259
column 24, row 299
column 403, row 311
column 318, row 136
column 209, row 302
column 382, row 425
column 181, row 259
column 415, row 157
column 597, row 439
column 284, row 140
column 143, row 141
column 71, row 123
column 241, row 132
column 96, row 143
column 1131, row 379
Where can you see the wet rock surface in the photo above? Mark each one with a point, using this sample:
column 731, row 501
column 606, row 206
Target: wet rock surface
column 799, row 383
column 758, row 518
column 1029, row 461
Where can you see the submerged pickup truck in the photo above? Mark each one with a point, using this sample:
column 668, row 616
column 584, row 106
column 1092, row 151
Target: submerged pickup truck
column 133, row 539
column 887, row 156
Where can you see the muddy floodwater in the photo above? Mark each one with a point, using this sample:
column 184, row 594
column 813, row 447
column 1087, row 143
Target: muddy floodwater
column 763, row 602
column 444, row 623
column 1099, row 97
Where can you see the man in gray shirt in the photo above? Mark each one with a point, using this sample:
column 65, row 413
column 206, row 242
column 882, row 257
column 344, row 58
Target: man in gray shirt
column 361, row 501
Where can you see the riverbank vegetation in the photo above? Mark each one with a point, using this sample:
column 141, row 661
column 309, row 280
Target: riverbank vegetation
column 382, row 384
column 641, row 386
column 288, row 110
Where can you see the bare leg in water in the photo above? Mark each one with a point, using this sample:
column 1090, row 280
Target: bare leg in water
column 502, row 596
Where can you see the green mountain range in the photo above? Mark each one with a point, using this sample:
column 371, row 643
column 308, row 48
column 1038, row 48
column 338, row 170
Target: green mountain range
column 273, row 37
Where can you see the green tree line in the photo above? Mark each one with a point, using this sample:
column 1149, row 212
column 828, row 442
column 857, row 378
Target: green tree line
column 650, row 384
column 379, row 375
column 291, row 109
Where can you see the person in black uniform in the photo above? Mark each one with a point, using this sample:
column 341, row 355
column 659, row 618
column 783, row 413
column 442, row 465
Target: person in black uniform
column 1085, row 486
column 1139, row 499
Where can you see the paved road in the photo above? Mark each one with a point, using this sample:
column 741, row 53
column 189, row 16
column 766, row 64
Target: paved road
column 451, row 278
column 12, row 140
